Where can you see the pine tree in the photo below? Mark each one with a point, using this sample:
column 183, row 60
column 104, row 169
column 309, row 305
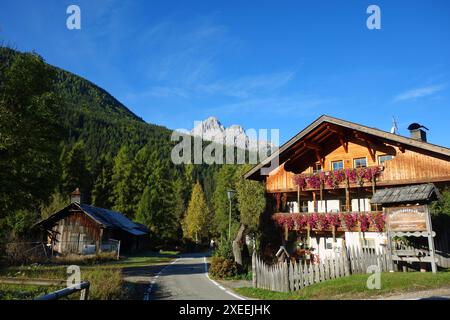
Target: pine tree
column 102, row 189
column 29, row 133
column 122, row 190
column 225, row 180
column 196, row 221
column 76, row 173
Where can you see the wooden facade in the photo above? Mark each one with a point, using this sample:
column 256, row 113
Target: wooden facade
column 408, row 167
column 84, row 229
column 75, row 231
column 330, row 145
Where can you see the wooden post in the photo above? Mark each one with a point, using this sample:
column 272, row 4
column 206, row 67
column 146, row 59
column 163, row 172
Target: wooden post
column 255, row 280
column 321, row 192
column 308, row 235
column 389, row 246
column 347, row 197
column 84, row 295
column 431, row 240
column 298, row 199
column 373, row 185
column 315, row 201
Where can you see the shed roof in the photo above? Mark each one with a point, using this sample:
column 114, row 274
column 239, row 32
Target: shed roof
column 106, row 218
column 416, row 193
column 113, row 219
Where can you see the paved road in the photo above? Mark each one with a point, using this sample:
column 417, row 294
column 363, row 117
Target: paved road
column 186, row 278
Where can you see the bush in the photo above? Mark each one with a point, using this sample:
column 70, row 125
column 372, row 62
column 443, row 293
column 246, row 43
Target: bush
column 222, row 268
column 90, row 259
column 20, row 253
column 106, row 284
column 224, row 249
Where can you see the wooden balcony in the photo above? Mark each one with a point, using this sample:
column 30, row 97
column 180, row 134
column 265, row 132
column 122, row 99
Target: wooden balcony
column 407, row 167
column 371, row 221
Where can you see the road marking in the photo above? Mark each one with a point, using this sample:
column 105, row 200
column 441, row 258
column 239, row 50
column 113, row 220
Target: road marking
column 218, row 285
column 150, row 287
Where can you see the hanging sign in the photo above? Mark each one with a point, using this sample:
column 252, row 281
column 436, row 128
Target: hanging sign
column 407, row 218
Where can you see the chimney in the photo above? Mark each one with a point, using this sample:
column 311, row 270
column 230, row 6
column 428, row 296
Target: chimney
column 419, row 134
column 75, row 196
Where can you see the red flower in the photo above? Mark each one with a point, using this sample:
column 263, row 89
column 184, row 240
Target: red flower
column 349, row 220
column 300, row 220
column 377, row 221
column 322, row 222
column 333, row 220
column 300, row 180
column 364, row 222
column 313, row 220
column 314, row 181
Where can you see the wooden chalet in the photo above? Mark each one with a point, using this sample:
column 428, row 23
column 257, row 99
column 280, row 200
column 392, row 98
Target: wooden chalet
column 83, row 229
column 335, row 166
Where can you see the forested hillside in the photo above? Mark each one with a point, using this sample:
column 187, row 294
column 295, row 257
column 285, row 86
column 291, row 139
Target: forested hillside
column 60, row 131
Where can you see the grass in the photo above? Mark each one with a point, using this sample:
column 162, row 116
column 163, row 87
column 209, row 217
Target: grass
column 354, row 287
column 105, row 276
column 12, row 292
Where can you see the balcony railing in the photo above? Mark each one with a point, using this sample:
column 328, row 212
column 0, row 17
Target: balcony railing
column 373, row 221
column 337, row 178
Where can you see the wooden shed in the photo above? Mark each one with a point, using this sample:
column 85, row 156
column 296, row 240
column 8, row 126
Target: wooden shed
column 83, row 229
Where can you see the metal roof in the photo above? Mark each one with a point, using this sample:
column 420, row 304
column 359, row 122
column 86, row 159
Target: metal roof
column 417, row 193
column 106, row 218
column 113, row 219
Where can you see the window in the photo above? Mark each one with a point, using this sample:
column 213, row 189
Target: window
column 337, row 165
column 329, row 244
column 317, row 168
column 369, row 244
column 360, row 162
column 382, row 159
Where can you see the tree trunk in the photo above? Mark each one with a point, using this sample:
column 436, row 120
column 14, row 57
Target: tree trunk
column 238, row 245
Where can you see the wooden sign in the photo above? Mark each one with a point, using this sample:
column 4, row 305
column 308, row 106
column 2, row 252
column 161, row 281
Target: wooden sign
column 407, row 218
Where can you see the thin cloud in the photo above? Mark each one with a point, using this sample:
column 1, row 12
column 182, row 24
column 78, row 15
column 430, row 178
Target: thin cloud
column 248, row 86
column 271, row 106
column 419, row 93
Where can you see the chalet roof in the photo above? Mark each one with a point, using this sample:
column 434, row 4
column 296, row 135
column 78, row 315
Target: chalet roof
column 106, row 218
column 417, row 193
column 325, row 127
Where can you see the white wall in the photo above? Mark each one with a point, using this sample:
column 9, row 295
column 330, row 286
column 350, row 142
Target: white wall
column 363, row 203
column 352, row 239
column 332, row 206
column 320, row 248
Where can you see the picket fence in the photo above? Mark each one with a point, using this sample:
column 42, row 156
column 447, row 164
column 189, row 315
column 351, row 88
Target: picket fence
column 292, row 276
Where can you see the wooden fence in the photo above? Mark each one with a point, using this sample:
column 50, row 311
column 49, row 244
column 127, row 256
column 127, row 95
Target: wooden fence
column 292, row 276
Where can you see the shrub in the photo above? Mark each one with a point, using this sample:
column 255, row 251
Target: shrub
column 224, row 249
column 20, row 253
column 106, row 284
column 91, row 259
column 222, row 268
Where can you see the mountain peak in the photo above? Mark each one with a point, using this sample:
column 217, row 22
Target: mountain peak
column 212, row 129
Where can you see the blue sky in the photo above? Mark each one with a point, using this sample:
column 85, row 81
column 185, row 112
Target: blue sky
column 260, row 64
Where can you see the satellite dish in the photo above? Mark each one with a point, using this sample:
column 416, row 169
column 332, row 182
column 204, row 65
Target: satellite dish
column 415, row 126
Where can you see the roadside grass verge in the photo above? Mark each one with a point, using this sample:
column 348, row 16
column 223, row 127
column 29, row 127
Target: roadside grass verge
column 105, row 276
column 13, row 292
column 354, row 287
